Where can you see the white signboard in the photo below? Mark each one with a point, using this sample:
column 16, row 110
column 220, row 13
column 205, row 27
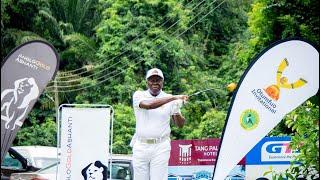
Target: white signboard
column 84, row 143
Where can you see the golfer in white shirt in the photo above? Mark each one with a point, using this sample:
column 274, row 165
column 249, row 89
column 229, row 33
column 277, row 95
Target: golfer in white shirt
column 153, row 109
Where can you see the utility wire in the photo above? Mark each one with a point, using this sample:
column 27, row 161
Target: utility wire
column 100, row 65
column 101, row 71
column 103, row 80
column 132, row 65
column 105, row 75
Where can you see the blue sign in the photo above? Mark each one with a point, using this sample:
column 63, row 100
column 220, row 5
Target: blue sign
column 272, row 150
column 202, row 175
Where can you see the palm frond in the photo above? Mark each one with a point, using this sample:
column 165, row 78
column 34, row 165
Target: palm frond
column 20, row 36
column 66, row 28
column 80, row 40
column 76, row 12
column 82, row 47
column 51, row 22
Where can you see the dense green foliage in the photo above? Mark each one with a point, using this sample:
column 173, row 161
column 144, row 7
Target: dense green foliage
column 304, row 121
column 106, row 46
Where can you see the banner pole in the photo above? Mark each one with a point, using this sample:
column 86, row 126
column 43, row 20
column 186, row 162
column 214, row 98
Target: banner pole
column 56, row 104
column 56, row 96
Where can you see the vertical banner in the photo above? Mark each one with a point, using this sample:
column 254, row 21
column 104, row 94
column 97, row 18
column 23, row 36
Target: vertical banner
column 84, row 142
column 25, row 72
column 281, row 78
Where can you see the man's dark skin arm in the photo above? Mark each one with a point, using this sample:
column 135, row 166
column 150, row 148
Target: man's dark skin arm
column 155, row 103
column 178, row 120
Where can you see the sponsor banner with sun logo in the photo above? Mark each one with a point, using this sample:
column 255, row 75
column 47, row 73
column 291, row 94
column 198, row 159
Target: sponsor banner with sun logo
column 281, row 78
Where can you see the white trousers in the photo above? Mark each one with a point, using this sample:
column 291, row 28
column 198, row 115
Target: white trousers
column 150, row 161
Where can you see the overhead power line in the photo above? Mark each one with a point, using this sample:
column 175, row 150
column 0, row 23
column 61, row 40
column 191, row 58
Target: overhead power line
column 100, row 79
column 88, row 68
column 112, row 65
column 123, row 69
column 101, row 71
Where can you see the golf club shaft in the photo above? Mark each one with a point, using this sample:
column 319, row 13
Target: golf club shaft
column 196, row 93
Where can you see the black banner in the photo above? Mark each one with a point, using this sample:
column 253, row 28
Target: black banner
column 25, row 73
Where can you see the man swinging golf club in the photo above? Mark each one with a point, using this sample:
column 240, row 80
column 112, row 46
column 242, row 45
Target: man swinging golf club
column 151, row 141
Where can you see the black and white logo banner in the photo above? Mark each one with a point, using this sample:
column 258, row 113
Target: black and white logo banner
column 25, row 72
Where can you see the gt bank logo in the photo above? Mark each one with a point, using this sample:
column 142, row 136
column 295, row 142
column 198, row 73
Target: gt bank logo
column 185, row 154
column 277, row 151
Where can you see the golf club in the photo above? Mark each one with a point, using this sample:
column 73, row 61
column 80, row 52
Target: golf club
column 197, row 93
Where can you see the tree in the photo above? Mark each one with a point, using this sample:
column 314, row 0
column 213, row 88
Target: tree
column 36, row 133
column 304, row 122
column 123, row 129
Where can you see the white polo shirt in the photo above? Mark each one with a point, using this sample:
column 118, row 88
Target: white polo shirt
column 152, row 123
